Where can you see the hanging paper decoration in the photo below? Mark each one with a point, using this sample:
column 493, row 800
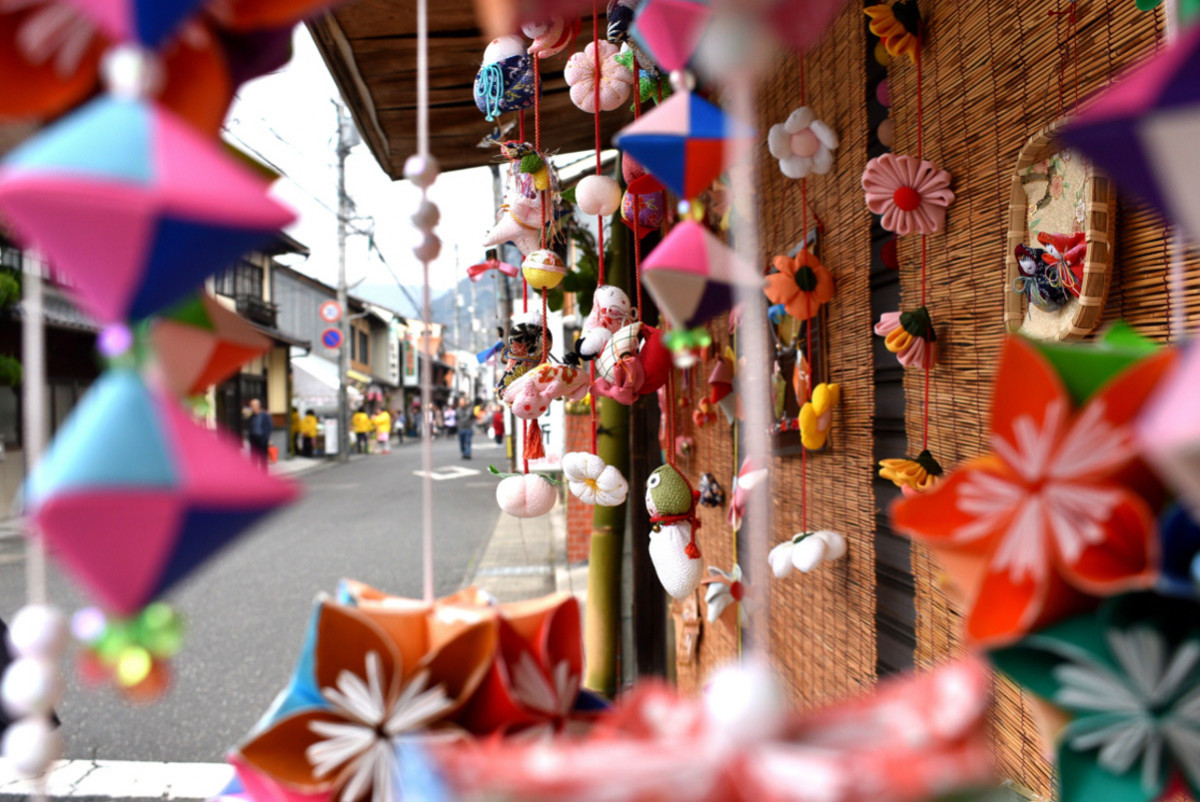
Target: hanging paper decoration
column 1168, row 430
column 805, row 551
column 592, row 481
column 910, row 336
column 133, row 654
column 1055, row 514
column 671, row 503
column 692, row 275
column 477, row 271
column 147, row 22
column 802, row 144
column 611, row 312
column 898, row 26
column 1179, row 544
column 816, row 416
column 43, row 82
column 687, row 348
column 553, row 37
column 615, row 80
column 703, row 414
column 671, row 30
column 635, row 362
column 801, row 283
column 724, row 594
column 748, row 478
column 1126, row 680
column 912, row 475
column 154, row 207
column 526, row 495
column 531, row 394
column 200, row 343
column 507, row 80
column 686, row 142
column 645, row 201
column 1138, row 131
column 910, row 194
column 132, row 496
column 720, row 382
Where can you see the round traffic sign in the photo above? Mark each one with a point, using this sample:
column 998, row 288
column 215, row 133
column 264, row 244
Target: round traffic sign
column 330, row 312
column 331, row 338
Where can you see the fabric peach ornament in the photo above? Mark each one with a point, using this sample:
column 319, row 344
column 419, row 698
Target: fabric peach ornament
column 593, row 481
column 816, row 416
column 529, row 495
column 910, row 336
column 910, row 194
column 598, row 195
column 803, row 144
column 802, row 284
column 616, row 81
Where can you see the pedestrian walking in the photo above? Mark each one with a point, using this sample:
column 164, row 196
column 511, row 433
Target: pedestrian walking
column 498, row 424
column 383, row 430
column 308, row 434
column 362, row 427
column 258, row 432
column 466, row 428
column 450, row 419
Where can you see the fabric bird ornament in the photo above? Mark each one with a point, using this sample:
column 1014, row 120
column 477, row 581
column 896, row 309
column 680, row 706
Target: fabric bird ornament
column 671, row 502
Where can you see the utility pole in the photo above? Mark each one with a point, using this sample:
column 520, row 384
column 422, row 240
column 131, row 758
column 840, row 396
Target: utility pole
column 347, row 139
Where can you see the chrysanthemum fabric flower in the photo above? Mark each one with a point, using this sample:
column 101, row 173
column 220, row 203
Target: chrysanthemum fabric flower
column 592, row 481
column 803, row 144
column 616, row 80
column 802, row 284
column 816, row 416
column 898, row 25
column 910, row 336
column 1055, row 514
column 918, row 475
column 910, row 194
column 805, row 551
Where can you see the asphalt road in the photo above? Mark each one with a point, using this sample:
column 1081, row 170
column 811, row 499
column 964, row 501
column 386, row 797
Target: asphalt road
column 247, row 609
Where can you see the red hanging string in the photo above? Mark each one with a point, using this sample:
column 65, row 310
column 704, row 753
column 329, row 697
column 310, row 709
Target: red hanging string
column 920, row 111
column 807, row 395
column 521, row 126
column 671, row 418
column 924, row 251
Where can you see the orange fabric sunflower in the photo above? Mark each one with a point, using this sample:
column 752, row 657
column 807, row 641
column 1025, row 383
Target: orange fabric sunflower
column 898, row 25
column 801, row 285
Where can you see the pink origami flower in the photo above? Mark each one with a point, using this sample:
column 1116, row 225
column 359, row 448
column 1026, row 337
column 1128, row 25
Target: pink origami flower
column 616, row 80
column 909, row 193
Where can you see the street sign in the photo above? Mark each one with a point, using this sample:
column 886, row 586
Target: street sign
column 330, row 312
column 331, row 338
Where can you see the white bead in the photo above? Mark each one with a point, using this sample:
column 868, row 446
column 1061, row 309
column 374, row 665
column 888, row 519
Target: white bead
column 598, row 195
column 745, row 703
column 30, row 746
column 130, row 72
column 38, row 630
column 30, row 687
column 422, row 171
column 682, row 81
column 429, row 248
column 427, row 216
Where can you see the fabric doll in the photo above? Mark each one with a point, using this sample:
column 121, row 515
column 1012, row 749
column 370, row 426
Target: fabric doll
column 671, row 502
column 611, row 311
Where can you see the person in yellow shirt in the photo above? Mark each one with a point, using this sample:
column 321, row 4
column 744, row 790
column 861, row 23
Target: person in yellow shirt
column 295, row 430
column 361, row 426
column 383, row 430
column 308, row 433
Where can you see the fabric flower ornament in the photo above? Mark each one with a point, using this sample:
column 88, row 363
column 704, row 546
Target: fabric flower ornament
column 918, row 475
column 802, row 284
column 1128, row 679
column 1056, row 513
column 910, row 194
column 898, row 25
column 616, row 80
column 724, row 593
column 910, row 336
column 806, row 551
column 803, row 144
column 816, row 416
column 592, row 481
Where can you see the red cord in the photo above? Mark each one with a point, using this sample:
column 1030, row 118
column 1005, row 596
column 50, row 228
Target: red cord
column 521, row 125
column 802, row 95
column 920, row 112
column 637, row 252
column 671, row 418
column 637, row 89
column 592, row 399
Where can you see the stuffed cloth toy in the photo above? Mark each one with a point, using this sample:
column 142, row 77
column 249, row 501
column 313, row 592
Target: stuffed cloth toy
column 530, row 395
column 551, row 38
column 519, row 222
column 616, row 80
column 506, row 81
column 671, row 503
column 635, row 362
column 1064, row 254
column 611, row 311
column 523, row 348
column 526, row 496
column 646, row 201
column 711, row 492
column 1038, row 281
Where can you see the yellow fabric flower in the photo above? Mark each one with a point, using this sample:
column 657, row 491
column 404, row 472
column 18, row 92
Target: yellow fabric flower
column 898, row 26
column 816, row 416
column 919, row 475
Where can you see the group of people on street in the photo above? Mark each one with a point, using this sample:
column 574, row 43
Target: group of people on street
column 379, row 425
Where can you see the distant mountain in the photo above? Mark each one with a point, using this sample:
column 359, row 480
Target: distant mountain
column 443, row 307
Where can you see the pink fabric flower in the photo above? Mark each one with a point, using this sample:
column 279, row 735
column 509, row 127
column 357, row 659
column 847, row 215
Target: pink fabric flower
column 910, row 336
column 616, row 80
column 910, row 194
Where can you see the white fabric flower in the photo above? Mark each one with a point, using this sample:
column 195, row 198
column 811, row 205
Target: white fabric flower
column 592, row 481
column 803, row 144
column 806, row 551
column 724, row 588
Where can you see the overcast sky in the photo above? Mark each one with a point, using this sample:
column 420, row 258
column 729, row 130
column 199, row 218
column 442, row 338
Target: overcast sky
column 289, row 118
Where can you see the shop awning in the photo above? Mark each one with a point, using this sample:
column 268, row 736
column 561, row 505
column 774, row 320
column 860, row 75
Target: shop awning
column 315, row 384
column 370, row 47
column 359, row 377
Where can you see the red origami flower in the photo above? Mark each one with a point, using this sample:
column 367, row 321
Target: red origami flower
column 1052, row 518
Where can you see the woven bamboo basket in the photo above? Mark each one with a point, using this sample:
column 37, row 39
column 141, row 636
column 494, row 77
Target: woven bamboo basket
column 1079, row 316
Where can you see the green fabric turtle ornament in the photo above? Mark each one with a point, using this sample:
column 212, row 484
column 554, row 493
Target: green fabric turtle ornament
column 671, row 502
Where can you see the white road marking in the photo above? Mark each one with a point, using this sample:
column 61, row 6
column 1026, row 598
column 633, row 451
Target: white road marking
column 123, row 779
column 450, row 472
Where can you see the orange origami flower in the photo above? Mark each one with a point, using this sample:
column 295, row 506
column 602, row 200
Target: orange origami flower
column 1053, row 517
column 801, row 285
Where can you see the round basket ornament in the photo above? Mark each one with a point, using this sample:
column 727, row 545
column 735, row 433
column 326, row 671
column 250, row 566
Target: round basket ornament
column 1061, row 232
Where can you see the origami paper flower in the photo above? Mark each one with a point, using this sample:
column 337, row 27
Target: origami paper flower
column 748, row 478
column 909, row 193
column 912, row 475
column 1128, row 678
column 693, row 276
column 910, row 336
column 592, row 481
column 616, row 80
column 802, row 284
column 201, row 343
column 805, row 551
column 1055, row 513
column 816, row 416
column 898, row 25
column 725, row 591
column 803, row 144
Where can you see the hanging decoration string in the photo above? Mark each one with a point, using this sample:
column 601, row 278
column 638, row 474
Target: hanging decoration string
column 1175, row 266
column 599, row 220
column 924, row 247
column 808, row 324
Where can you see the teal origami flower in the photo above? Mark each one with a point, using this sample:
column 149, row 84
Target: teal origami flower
column 1128, row 678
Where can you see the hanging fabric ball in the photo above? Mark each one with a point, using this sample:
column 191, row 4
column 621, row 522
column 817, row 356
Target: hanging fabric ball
column 38, row 630
column 883, row 93
column 598, row 195
column 543, row 270
column 421, row 170
column 30, row 687
column 428, row 249
column 426, row 217
column 503, row 47
column 30, row 746
column 526, row 496
column 886, row 132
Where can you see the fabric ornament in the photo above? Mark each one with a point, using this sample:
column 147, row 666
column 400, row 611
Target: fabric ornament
column 1061, row 511
column 519, row 222
column 646, row 201
column 912, row 476
column 131, row 654
column 720, row 382
column 530, row 395
column 543, row 270
column 711, row 492
column 1064, row 254
column 1168, row 431
column 671, row 503
column 703, row 414
column 598, row 195
column 724, row 594
column 898, row 26
column 816, row 416
column 200, row 343
column 592, row 481
column 635, row 362
column 692, row 275
column 551, row 38
column 802, row 284
column 611, row 312
column 525, row 346
column 805, row 551
column 526, row 495
column 910, row 194
column 477, row 271
column 1038, row 281
column 749, row 478
column 616, row 80
column 506, row 81
column 910, row 336
column 802, row 144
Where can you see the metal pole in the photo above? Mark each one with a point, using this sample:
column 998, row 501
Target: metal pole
column 345, row 140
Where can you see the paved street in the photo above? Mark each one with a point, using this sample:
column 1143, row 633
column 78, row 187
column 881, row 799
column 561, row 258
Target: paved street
column 247, row 610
